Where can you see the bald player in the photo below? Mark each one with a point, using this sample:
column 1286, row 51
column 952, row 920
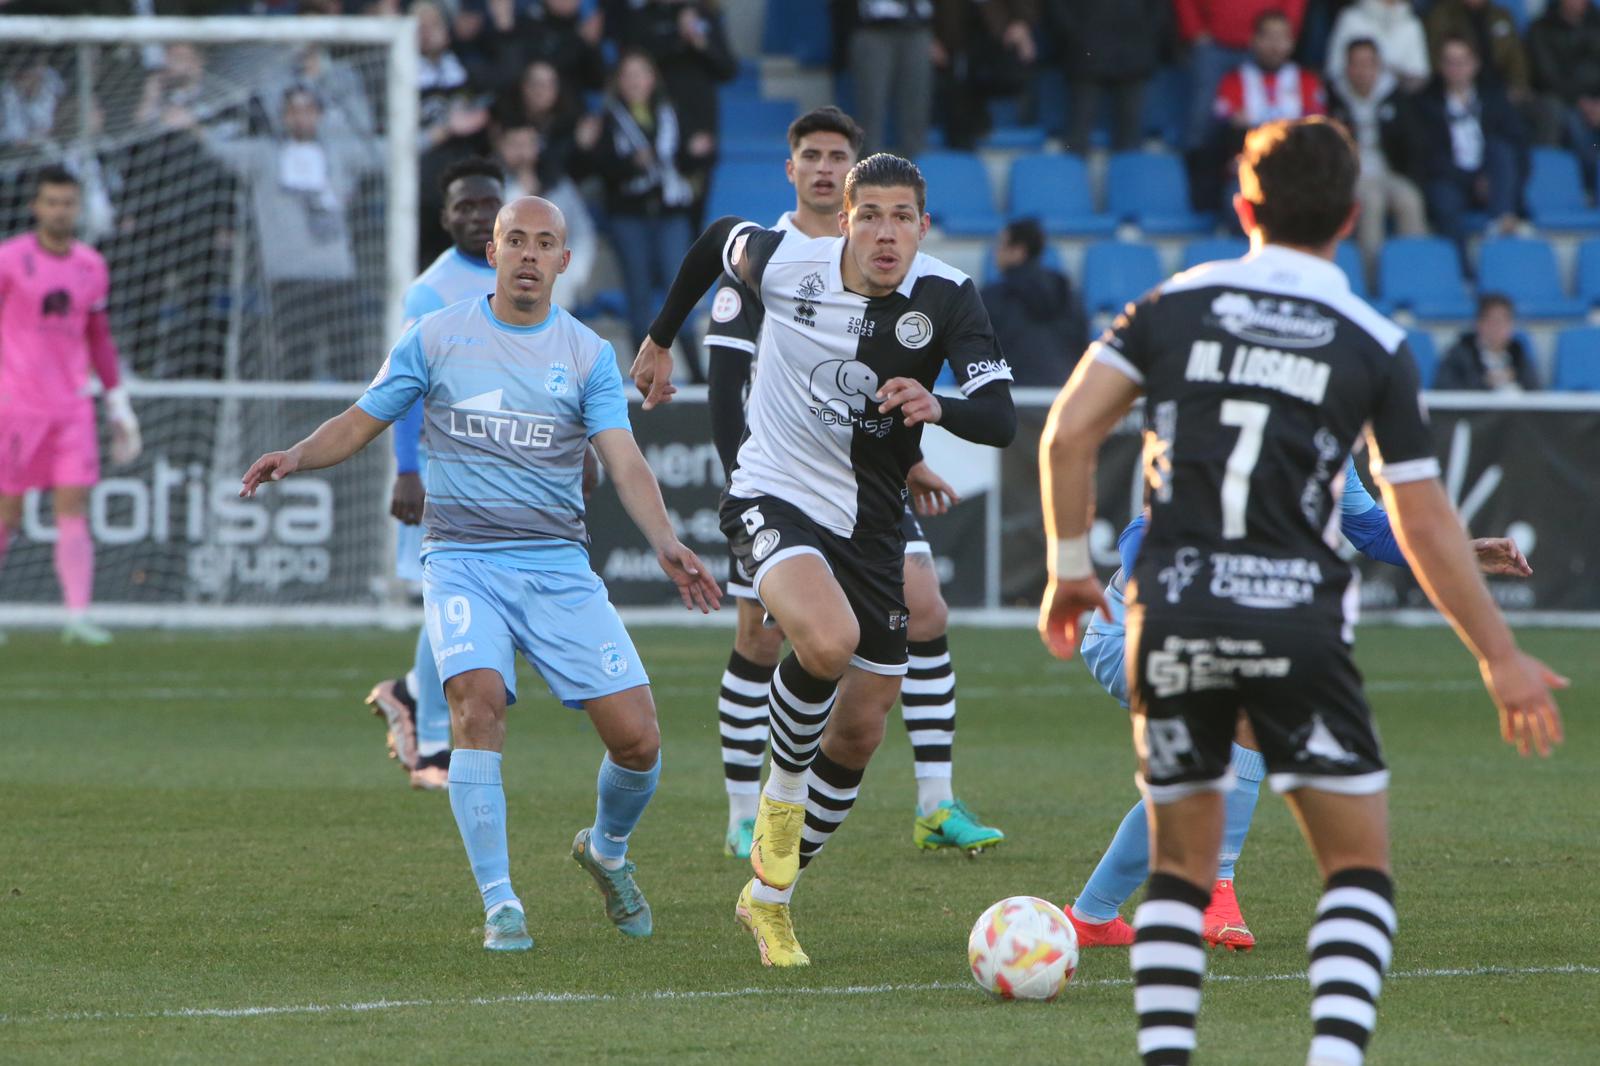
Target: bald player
column 514, row 389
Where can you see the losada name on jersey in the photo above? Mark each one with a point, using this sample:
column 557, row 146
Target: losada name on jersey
column 1267, row 368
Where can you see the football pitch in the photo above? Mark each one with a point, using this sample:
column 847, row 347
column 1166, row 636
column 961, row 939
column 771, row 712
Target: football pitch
column 204, row 857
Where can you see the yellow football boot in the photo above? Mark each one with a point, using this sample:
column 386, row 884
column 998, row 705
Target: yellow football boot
column 773, row 929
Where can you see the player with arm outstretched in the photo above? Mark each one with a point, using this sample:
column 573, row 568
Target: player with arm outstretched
column 1238, row 603
column 856, row 330
column 54, row 327
column 1126, row 863
column 514, row 390
column 413, row 705
column 823, row 145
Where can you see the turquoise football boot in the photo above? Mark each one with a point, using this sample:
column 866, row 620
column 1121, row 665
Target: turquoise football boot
column 952, row 825
column 625, row 904
column 736, row 845
column 507, row 931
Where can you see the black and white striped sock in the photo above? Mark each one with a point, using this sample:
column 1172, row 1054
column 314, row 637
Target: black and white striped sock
column 1351, row 943
column 928, row 707
column 798, row 709
column 742, row 722
column 1168, row 963
column 831, row 791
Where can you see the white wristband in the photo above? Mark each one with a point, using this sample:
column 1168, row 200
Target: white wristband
column 1071, row 560
column 118, row 409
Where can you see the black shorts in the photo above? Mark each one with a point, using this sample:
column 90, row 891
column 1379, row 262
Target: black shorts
column 870, row 568
column 1299, row 687
column 739, row 586
column 916, row 539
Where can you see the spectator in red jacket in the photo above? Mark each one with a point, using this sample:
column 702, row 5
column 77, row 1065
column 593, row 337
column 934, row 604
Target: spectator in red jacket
column 1218, row 32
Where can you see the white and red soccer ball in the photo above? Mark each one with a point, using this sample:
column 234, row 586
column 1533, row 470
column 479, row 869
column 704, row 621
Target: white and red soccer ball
column 1023, row 948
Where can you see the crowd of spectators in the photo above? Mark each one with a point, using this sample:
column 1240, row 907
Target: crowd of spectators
column 610, row 108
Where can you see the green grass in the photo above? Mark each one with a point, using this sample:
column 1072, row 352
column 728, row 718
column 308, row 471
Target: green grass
column 207, row 821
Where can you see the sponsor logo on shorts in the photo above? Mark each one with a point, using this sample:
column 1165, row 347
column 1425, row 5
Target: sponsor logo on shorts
column 914, row 330
column 556, row 380
column 764, row 544
column 1317, row 744
column 844, row 392
column 1178, row 576
column 898, row 620
column 727, row 305
column 454, row 649
column 1268, row 584
column 1205, row 665
column 1272, row 320
column 612, row 660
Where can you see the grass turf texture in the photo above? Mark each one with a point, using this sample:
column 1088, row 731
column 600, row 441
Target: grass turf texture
column 207, row 821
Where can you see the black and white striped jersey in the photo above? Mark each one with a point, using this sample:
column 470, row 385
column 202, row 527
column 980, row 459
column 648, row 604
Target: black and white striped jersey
column 814, row 435
column 1259, row 374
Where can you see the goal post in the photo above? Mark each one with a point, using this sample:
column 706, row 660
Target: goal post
column 257, row 279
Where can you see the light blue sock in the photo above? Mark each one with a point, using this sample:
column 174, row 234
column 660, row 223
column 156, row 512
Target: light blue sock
column 433, row 711
column 1249, row 768
column 479, row 803
column 1122, row 870
column 622, row 796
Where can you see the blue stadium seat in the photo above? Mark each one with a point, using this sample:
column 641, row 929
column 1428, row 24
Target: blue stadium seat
column 959, row 197
column 1525, row 269
column 1348, row 256
column 1588, row 279
column 1554, row 193
column 1008, row 131
column 1206, row 249
column 753, row 189
column 1424, row 275
column 1166, row 104
column 1425, row 352
column 804, row 31
column 1152, row 191
column 1116, row 273
column 1577, row 366
column 1055, row 188
column 749, row 124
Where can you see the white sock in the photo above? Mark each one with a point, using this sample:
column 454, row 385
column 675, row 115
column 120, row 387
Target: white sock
column 765, row 893
column 932, row 791
column 609, row 864
column 785, row 786
column 1086, row 919
column 515, row 904
column 742, row 807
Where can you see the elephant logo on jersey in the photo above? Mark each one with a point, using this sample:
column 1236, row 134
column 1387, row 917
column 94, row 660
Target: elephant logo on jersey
column 843, row 392
column 612, row 660
column 914, row 330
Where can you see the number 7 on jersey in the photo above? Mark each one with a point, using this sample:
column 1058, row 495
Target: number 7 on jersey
column 1251, row 419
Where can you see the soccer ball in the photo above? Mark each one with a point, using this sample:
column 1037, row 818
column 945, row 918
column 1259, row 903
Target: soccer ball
column 1023, row 948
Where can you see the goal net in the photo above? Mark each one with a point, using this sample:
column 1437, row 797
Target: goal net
column 251, row 183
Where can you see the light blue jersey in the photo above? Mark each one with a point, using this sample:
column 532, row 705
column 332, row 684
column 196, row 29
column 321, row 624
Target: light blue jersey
column 1363, row 522
column 449, row 279
column 508, row 413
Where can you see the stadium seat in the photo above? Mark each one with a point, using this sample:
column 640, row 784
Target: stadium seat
column 1116, row 273
column 751, row 125
column 1525, row 269
column 1426, row 354
column 753, row 189
column 1152, row 191
column 1423, row 274
column 1577, row 367
column 1348, row 256
column 959, row 197
column 1206, row 249
column 804, row 31
column 1055, row 189
column 1588, row 280
column 1555, row 195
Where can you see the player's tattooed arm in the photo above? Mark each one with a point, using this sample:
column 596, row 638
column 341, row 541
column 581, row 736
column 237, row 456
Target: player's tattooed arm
column 330, row 444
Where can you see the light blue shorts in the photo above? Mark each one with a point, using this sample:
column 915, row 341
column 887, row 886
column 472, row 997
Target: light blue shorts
column 481, row 613
column 1104, row 653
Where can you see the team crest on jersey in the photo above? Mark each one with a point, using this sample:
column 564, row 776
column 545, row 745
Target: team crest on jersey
column 612, row 661
column 555, row 379
column 765, row 543
column 811, row 287
column 1181, row 574
column 1272, row 320
column 843, row 392
column 727, row 305
column 914, row 330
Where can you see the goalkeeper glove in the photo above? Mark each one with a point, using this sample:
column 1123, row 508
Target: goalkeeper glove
column 125, row 440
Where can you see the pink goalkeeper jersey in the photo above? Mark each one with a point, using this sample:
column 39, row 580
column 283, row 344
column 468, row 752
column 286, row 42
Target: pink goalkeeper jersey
column 45, row 304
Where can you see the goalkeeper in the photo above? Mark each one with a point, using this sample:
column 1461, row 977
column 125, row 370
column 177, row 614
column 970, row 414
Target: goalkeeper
column 53, row 327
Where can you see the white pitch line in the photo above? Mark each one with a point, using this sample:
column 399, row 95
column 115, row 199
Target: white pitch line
column 1574, row 969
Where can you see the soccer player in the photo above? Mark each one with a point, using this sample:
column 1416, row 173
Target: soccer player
column 1258, row 374
column 856, row 329
column 823, row 146
column 1126, row 862
column 53, row 328
column 514, row 389
column 414, row 705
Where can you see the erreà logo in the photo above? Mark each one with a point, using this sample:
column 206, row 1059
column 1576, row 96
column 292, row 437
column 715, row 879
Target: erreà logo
column 1271, row 320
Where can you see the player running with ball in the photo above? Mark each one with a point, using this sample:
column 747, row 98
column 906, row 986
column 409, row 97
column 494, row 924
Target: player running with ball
column 856, row 330
column 514, row 390
column 1259, row 374
column 53, row 328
